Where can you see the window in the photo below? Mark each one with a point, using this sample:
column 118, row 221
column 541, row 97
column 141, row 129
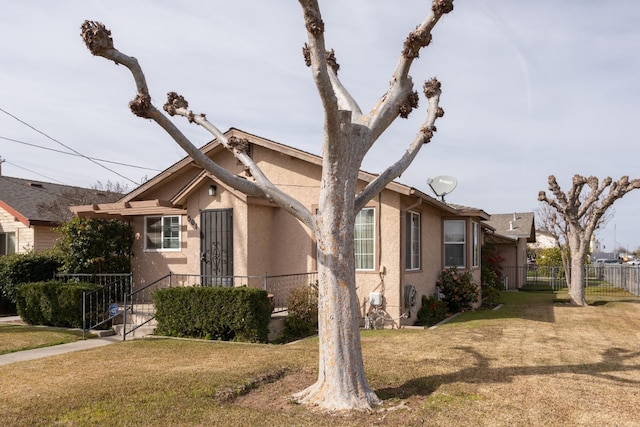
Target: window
column 454, row 243
column 364, row 241
column 162, row 233
column 476, row 245
column 7, row 243
column 412, row 241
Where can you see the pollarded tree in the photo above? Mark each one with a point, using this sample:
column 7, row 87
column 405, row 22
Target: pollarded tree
column 579, row 212
column 349, row 133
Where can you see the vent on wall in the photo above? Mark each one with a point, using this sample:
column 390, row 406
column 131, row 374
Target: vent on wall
column 35, row 184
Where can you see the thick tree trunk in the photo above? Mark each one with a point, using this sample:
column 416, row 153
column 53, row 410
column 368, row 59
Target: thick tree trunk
column 341, row 379
column 577, row 256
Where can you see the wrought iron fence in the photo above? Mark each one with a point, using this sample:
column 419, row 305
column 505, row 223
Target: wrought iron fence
column 101, row 306
column 140, row 310
column 600, row 279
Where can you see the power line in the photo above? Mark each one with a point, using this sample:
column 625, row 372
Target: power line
column 34, row 172
column 67, row 147
column 77, row 155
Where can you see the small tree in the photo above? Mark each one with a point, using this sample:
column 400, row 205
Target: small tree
column 94, row 246
column 577, row 214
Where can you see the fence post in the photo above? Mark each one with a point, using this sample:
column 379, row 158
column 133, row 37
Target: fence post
column 84, row 314
column 264, row 282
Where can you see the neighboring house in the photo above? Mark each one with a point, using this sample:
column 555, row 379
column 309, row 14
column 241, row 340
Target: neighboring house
column 30, row 210
column 544, row 240
column 511, row 234
column 187, row 222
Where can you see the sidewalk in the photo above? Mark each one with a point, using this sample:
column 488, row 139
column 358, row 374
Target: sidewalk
column 39, row 353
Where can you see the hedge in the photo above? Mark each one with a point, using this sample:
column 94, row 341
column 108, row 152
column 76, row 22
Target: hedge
column 52, row 303
column 17, row 269
column 239, row 314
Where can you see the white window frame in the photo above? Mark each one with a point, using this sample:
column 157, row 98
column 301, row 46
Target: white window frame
column 360, row 242
column 9, row 244
column 456, row 242
column 476, row 245
column 163, row 227
column 413, row 242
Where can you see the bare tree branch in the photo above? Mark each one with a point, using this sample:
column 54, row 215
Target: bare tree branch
column 401, row 86
column 98, row 40
column 433, row 92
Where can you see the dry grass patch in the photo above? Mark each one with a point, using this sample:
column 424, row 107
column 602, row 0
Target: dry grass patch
column 538, row 362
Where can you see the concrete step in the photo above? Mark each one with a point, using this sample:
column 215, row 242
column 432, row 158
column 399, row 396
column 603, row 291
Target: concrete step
column 141, row 332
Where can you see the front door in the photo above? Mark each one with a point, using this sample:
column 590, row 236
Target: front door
column 216, row 245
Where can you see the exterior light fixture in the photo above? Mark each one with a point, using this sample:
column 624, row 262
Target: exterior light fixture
column 212, row 189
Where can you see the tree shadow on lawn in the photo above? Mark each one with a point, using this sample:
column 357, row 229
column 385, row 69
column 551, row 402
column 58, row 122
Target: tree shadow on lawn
column 613, row 360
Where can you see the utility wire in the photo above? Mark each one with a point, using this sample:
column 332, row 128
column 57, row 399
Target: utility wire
column 29, row 170
column 67, row 147
column 77, row 155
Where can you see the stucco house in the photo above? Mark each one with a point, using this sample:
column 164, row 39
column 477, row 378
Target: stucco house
column 30, row 210
column 511, row 233
column 187, row 222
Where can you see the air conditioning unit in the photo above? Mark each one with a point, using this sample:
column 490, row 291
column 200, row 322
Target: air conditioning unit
column 375, row 299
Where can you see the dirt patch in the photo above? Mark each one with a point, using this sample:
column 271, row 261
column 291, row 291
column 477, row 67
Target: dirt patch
column 277, row 394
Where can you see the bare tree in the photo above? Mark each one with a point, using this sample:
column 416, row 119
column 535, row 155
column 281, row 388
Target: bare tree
column 549, row 220
column 578, row 213
column 348, row 136
column 58, row 208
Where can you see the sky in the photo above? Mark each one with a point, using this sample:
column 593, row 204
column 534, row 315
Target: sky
column 530, row 89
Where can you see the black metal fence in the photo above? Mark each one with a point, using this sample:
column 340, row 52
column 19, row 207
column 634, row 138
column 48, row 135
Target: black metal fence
column 600, row 279
column 101, row 306
column 140, row 311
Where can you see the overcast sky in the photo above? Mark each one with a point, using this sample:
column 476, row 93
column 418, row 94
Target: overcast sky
column 530, row 89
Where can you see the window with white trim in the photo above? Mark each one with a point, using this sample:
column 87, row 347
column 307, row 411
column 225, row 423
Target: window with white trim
column 454, row 243
column 162, row 233
column 7, row 243
column 364, row 239
column 476, row 245
column 412, row 241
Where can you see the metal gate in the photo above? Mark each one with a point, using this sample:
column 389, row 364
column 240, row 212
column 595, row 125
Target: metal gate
column 216, row 244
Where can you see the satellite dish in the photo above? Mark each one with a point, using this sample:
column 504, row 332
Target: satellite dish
column 442, row 185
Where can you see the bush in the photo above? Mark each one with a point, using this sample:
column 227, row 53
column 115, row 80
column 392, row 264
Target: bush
column 458, row 290
column 432, row 311
column 491, row 274
column 302, row 306
column 52, row 303
column 239, row 314
column 17, row 269
column 96, row 246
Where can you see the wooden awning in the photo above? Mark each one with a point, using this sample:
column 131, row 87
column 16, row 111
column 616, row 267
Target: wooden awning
column 127, row 210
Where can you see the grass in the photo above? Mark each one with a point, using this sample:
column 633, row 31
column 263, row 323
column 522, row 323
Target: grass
column 23, row 337
column 536, row 361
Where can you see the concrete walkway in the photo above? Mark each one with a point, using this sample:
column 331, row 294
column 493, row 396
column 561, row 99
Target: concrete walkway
column 54, row 350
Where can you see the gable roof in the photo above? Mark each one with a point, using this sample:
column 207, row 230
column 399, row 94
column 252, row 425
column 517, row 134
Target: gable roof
column 125, row 206
column 518, row 225
column 24, row 199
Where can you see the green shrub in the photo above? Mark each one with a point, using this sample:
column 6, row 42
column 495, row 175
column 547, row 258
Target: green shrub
column 432, row 311
column 491, row 274
column 52, row 303
column 96, row 246
column 17, row 269
column 239, row 314
column 302, row 318
column 458, row 291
